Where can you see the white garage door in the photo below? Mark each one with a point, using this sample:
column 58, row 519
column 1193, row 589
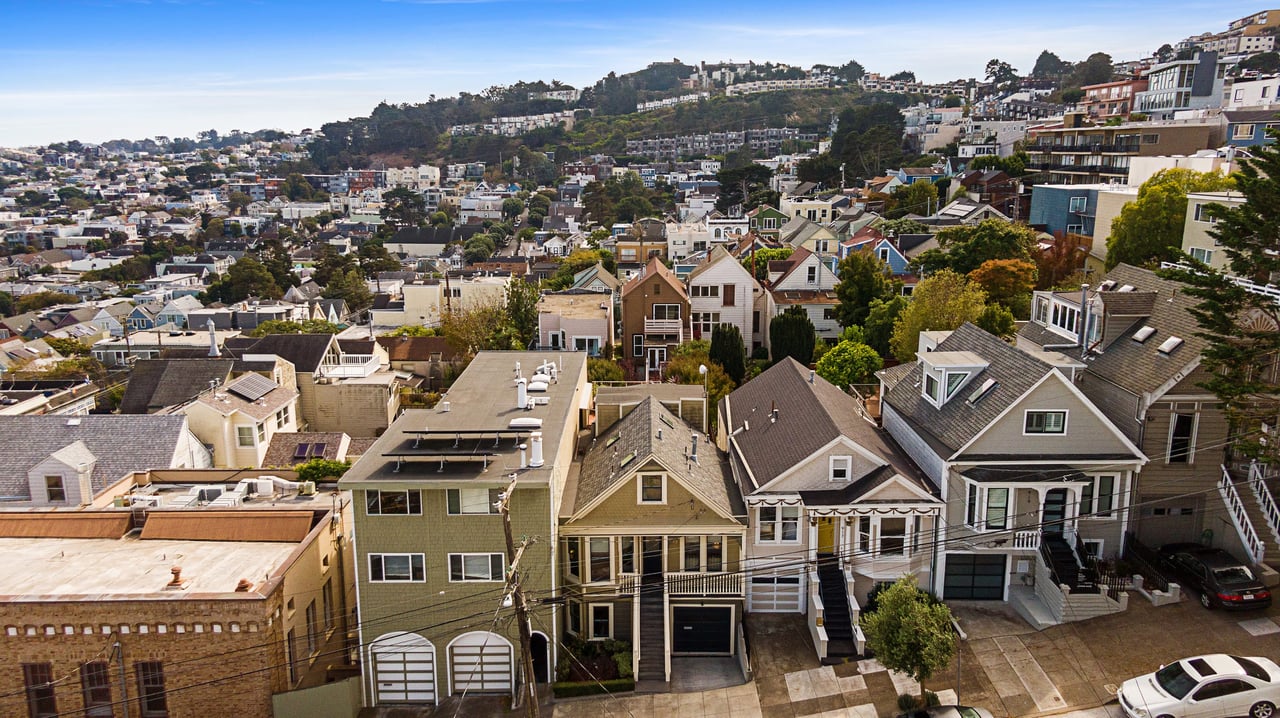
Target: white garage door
column 404, row 669
column 774, row 592
column 481, row 663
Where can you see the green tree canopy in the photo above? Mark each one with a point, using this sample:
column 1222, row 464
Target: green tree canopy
column 909, row 632
column 246, row 278
column 728, row 351
column 42, row 300
column 849, row 363
column 599, row 370
column 1239, row 326
column 761, row 258
column 1007, row 281
column 1049, row 64
column 402, row 207
column 281, row 326
column 878, row 328
column 863, row 279
column 684, row 369
column 349, row 287
column 942, row 301
column 738, row 185
column 791, row 335
column 522, row 310
column 964, row 248
column 1149, row 229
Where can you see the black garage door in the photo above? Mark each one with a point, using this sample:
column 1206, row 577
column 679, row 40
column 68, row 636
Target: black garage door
column 701, row 629
column 973, row 576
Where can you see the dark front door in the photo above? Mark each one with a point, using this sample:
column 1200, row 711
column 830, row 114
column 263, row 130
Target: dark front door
column 701, row 629
column 1055, row 510
column 541, row 658
column 651, row 554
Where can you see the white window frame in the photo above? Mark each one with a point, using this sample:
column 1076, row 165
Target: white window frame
column 380, row 559
column 1092, row 500
column 705, row 290
column 811, row 275
column 640, row 488
column 777, row 523
column 1238, row 132
column 1026, row 418
column 837, row 465
column 637, row 345
column 978, row 505
column 282, row 417
column 462, row 559
column 591, row 621
column 1191, row 444
column 934, row 394
column 588, row 555
column 262, row 432
column 489, row 502
column 1202, row 255
column 241, row 432
column 1075, row 229
column 1078, row 204
column 409, row 495
column 1202, row 216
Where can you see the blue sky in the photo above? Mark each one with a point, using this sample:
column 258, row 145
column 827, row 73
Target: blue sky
column 102, row 69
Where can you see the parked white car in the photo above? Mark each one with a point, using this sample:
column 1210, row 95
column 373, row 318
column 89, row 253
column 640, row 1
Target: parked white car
column 1205, row 686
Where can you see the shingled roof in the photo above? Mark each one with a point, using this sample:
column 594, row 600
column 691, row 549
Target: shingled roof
column 810, row 416
column 637, row 433
column 951, row 427
column 120, row 444
column 158, row 383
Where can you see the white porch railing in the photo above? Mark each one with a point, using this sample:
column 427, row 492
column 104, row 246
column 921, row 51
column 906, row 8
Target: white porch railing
column 629, row 583
column 1265, row 500
column 817, row 616
column 351, row 365
column 703, row 584
column 664, row 327
column 855, row 612
column 1027, row 540
column 1240, row 517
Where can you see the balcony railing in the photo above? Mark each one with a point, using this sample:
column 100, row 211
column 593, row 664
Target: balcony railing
column 629, row 583
column 351, row 365
column 704, row 584
column 665, row 327
column 1029, row 540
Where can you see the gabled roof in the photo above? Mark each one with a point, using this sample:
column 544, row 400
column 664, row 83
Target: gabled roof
column 416, row 348
column 158, row 383
column 596, row 272
column 637, row 433
column 717, row 254
column 304, row 351
column 810, row 417
column 120, row 443
column 1141, row 367
column 951, row 427
column 655, row 268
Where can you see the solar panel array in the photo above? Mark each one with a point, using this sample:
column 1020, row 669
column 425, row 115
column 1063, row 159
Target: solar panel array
column 251, row 387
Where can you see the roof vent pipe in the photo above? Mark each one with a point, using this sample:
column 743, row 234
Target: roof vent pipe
column 535, row 445
column 213, row 340
column 810, row 376
column 524, row 456
column 522, row 395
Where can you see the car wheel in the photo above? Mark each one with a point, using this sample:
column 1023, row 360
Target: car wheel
column 1262, row 709
column 1205, row 600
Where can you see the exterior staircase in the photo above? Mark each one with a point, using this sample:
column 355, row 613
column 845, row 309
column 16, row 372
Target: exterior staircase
column 1060, row 556
column 653, row 629
column 836, row 621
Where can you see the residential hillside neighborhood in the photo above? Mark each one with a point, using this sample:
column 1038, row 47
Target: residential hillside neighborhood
column 568, row 402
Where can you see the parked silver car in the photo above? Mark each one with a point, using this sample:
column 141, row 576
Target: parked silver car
column 1203, row 686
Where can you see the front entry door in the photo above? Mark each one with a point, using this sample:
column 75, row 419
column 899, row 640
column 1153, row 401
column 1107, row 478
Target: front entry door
column 826, row 535
column 1054, row 512
column 657, row 357
column 651, row 554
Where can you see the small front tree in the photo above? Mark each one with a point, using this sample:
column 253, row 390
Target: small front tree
column 849, row 363
column 791, row 334
column 728, row 351
column 909, row 632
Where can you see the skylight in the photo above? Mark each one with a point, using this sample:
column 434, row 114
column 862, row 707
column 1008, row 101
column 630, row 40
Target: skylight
column 1125, row 288
column 982, row 391
column 1143, row 334
column 627, row 459
column 1106, row 285
column 1170, row 344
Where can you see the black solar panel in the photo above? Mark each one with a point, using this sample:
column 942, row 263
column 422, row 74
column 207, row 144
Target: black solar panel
column 251, row 387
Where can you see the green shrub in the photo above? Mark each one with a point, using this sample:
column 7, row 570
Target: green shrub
column 624, row 664
column 592, row 688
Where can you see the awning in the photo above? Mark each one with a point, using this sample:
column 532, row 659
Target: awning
column 1024, row 474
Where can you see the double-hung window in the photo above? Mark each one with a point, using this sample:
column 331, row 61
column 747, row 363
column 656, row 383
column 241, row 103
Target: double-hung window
column 599, row 558
column 151, row 695
column 987, row 508
column 653, row 488
column 997, row 509
column 397, row 568
column 1098, row 497
column 95, row 684
column 601, row 621
column 841, row 468
column 472, row 501
column 476, row 567
column 393, row 503
column 779, row 524
column 692, row 553
column 245, row 436
column 38, row 680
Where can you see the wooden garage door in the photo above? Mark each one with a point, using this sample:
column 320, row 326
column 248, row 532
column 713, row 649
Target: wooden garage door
column 404, row 670
column 974, row 577
column 481, row 663
column 701, row 629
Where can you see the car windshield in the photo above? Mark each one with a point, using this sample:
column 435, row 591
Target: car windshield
column 1252, row 669
column 967, row 712
column 1233, row 574
column 1175, row 680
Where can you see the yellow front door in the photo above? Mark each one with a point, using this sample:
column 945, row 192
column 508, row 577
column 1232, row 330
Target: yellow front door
column 826, row 535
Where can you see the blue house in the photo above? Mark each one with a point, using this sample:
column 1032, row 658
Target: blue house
column 1248, row 128
column 1065, row 208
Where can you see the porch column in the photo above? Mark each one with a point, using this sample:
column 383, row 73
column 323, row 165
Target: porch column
column 1071, row 513
column 812, row 522
column 1040, row 493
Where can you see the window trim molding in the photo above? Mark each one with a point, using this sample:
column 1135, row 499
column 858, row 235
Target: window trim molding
column 778, row 523
column 462, row 556
column 847, row 460
column 591, row 621
column 384, row 579
column 1026, row 415
column 491, row 512
column 640, row 500
column 408, row 502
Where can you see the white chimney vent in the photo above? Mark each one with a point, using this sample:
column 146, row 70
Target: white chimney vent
column 535, row 444
column 522, row 396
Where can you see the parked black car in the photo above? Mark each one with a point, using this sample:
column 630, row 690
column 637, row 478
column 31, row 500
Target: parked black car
column 1222, row 580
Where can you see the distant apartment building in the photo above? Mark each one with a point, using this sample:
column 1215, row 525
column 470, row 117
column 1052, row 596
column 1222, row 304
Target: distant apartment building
column 671, row 101
column 1248, row 35
column 751, row 88
column 1196, row 240
column 1111, row 99
column 1077, row 154
column 567, row 94
column 767, row 140
column 1193, row 84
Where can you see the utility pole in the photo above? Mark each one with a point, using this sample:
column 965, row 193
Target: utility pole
column 118, row 652
column 530, row 694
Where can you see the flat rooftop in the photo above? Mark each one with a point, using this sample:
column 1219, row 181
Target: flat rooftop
column 132, row 567
column 576, row 306
column 469, row 435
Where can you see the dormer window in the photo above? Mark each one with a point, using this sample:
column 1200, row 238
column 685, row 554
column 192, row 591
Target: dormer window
column 841, row 468
column 955, row 380
column 652, row 488
column 931, row 387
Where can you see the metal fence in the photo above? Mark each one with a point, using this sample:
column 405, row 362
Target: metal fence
column 1147, row 562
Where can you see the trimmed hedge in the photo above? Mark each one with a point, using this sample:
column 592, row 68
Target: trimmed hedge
column 572, row 689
